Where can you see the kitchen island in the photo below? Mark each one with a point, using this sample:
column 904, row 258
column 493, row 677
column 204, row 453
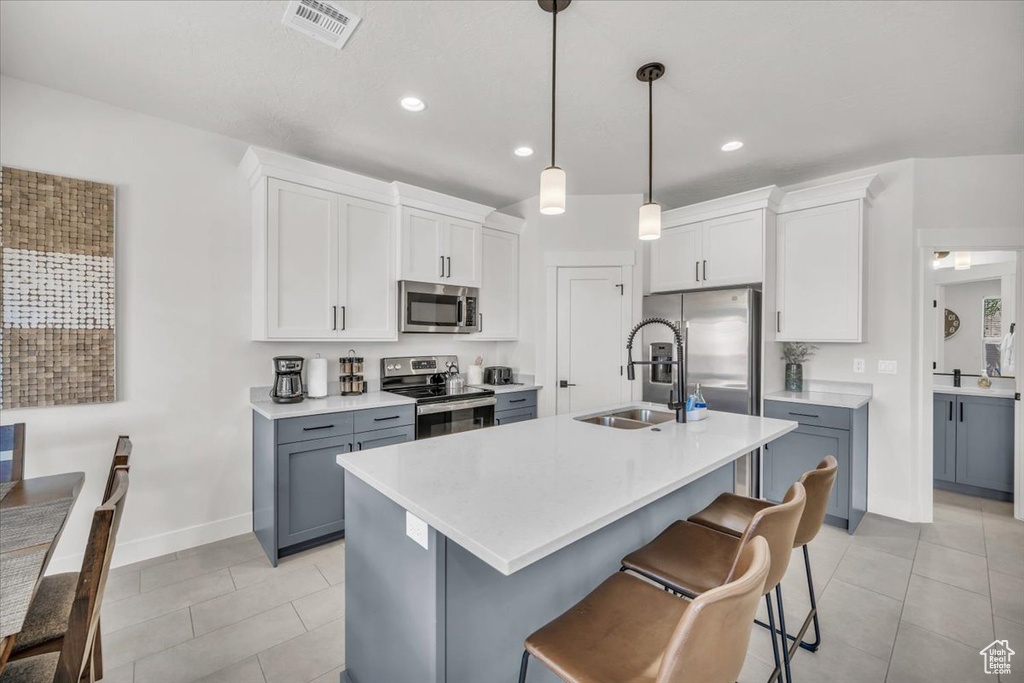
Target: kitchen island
column 459, row 547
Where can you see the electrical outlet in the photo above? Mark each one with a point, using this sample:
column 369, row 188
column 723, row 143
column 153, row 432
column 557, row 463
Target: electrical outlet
column 416, row 529
column 887, row 367
column 858, row 365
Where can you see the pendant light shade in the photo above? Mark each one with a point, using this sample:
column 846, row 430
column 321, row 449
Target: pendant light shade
column 552, row 191
column 552, row 178
column 650, row 213
column 650, row 221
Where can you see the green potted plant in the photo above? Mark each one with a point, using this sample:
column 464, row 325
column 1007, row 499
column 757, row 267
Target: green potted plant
column 796, row 354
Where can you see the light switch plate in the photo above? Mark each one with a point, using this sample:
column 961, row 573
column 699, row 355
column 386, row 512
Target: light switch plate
column 887, row 367
column 858, row 365
column 416, row 529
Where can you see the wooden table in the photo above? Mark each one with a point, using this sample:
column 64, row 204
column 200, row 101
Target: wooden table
column 57, row 495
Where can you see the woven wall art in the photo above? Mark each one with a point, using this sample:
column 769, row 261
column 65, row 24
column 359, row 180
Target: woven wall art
column 56, row 290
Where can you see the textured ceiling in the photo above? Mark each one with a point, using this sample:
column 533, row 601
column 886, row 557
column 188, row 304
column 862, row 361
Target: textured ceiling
column 812, row 88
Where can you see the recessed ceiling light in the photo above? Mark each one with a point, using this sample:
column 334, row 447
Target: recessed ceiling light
column 523, row 151
column 413, row 104
column 732, row 146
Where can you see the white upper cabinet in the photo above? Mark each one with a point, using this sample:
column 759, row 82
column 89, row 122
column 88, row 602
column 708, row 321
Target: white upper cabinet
column 323, row 257
column 439, row 249
column 302, row 262
column 498, row 309
column 819, row 271
column 733, row 250
column 819, row 262
column 366, row 276
column 675, row 259
column 717, row 243
column 422, row 246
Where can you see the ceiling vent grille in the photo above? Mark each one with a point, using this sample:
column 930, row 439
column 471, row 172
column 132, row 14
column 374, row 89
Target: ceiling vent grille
column 324, row 20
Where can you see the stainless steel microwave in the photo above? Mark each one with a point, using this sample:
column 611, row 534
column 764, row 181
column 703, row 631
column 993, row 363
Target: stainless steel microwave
column 426, row 307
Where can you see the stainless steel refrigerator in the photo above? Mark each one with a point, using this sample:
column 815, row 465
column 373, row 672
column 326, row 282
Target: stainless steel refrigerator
column 724, row 357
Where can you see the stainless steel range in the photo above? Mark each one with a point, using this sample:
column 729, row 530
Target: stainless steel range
column 438, row 410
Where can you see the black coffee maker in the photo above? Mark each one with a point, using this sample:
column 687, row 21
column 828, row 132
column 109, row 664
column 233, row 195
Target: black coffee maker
column 287, row 379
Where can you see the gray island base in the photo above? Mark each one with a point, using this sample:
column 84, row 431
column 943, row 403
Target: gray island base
column 515, row 525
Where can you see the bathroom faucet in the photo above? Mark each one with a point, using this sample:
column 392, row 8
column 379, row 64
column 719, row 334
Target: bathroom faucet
column 677, row 404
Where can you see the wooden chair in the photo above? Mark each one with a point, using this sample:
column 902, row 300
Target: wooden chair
column 79, row 654
column 48, row 615
column 12, row 452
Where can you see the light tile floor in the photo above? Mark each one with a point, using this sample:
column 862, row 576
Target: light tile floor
column 898, row 602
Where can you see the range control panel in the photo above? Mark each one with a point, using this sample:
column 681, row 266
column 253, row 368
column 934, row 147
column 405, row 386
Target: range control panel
column 406, row 366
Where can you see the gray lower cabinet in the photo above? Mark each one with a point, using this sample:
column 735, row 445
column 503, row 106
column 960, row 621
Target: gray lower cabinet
column 310, row 489
column 516, row 406
column 973, row 445
column 823, row 431
column 298, row 496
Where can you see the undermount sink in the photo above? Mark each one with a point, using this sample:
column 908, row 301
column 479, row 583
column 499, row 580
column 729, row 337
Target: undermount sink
column 633, row 418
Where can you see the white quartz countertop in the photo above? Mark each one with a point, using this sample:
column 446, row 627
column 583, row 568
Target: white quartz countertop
column 508, row 388
column 329, row 404
column 821, row 398
column 514, row 494
column 974, row 390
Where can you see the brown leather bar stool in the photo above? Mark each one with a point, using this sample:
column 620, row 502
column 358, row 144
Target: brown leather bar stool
column 691, row 558
column 730, row 514
column 628, row 630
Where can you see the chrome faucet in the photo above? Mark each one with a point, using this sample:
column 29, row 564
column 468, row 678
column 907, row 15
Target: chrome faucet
column 678, row 403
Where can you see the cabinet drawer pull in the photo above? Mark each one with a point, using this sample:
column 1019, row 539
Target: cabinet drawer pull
column 696, row 271
column 517, row 400
column 313, row 429
column 442, row 266
column 961, row 412
column 705, row 271
column 334, row 317
column 384, row 419
column 950, row 411
column 804, row 415
column 778, row 321
column 449, row 260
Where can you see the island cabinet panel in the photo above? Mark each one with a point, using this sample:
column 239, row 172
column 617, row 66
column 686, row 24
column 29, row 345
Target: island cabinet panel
column 944, row 437
column 823, row 431
column 310, row 490
column 972, row 438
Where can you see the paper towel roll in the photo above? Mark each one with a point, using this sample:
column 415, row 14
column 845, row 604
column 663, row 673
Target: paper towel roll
column 316, row 379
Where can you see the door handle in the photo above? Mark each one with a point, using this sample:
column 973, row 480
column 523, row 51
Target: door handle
column 564, row 384
column 449, row 259
column 705, row 271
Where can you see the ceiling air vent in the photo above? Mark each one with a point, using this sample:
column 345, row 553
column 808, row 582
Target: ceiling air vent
column 324, row 20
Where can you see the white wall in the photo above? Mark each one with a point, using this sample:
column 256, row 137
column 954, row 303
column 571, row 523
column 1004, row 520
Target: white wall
column 590, row 223
column 185, row 362
column 964, row 349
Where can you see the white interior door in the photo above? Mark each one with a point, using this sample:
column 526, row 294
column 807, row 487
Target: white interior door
column 593, row 310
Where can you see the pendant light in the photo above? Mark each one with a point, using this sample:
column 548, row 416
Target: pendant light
column 650, row 213
column 552, row 178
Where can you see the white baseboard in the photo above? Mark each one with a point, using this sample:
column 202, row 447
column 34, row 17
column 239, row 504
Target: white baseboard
column 162, row 544
column 890, row 507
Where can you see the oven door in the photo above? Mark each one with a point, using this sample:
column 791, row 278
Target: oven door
column 437, row 308
column 452, row 417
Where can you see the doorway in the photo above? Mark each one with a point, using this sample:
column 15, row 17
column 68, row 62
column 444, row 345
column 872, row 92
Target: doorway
column 594, row 312
column 973, row 373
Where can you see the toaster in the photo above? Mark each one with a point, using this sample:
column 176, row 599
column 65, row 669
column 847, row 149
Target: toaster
column 498, row 374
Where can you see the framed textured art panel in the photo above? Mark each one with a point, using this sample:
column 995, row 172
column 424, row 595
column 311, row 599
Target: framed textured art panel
column 57, row 344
